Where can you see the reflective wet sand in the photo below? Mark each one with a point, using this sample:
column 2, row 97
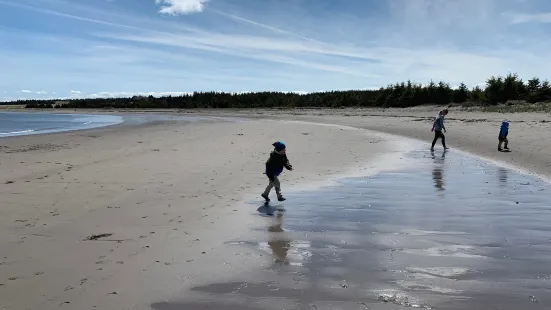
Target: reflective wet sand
column 450, row 233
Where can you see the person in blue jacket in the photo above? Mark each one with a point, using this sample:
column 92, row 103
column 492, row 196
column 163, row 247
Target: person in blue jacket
column 274, row 166
column 503, row 132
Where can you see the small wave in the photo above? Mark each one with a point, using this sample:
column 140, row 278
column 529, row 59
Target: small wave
column 16, row 132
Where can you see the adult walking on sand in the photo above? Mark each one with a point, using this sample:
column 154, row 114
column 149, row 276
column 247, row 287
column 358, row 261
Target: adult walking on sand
column 439, row 129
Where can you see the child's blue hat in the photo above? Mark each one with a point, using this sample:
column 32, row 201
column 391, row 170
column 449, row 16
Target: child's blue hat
column 279, row 146
column 505, row 123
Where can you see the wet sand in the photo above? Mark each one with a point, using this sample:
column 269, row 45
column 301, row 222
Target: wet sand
column 451, row 233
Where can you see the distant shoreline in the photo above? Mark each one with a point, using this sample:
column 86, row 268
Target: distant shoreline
column 516, row 107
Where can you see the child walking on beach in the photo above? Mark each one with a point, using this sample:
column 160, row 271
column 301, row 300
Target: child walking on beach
column 438, row 127
column 503, row 132
column 274, row 166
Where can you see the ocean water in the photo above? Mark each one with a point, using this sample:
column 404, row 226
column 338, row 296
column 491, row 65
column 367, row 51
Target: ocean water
column 451, row 232
column 20, row 123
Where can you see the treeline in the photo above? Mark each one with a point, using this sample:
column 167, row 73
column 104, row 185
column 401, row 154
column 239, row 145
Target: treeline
column 497, row 90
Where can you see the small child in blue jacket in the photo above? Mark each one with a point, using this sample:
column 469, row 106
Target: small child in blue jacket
column 274, row 166
column 503, row 132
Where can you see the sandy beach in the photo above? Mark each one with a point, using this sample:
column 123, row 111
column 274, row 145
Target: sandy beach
column 474, row 132
column 143, row 216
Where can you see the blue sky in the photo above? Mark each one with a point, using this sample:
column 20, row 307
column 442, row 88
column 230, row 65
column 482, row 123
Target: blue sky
column 103, row 48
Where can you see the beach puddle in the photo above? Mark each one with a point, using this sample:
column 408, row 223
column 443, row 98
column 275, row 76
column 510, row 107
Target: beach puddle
column 453, row 232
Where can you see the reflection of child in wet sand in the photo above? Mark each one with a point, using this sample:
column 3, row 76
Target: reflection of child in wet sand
column 274, row 166
column 503, row 132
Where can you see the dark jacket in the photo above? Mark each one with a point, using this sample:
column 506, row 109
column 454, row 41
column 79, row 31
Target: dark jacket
column 276, row 163
column 504, row 131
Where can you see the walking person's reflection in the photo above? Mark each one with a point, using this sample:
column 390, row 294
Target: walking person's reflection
column 502, row 177
column 438, row 171
column 277, row 241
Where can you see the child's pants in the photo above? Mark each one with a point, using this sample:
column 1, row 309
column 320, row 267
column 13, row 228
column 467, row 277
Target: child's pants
column 275, row 183
column 439, row 134
column 501, row 140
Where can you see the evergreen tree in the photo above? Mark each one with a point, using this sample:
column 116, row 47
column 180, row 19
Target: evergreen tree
column 461, row 94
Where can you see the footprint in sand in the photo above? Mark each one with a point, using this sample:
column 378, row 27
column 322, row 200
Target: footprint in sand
column 102, row 262
column 39, row 273
column 174, row 219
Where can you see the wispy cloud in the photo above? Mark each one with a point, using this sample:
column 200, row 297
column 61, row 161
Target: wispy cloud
column 265, row 26
column 175, row 7
column 111, row 23
column 75, row 92
column 42, row 92
column 60, row 14
column 26, row 91
column 275, row 50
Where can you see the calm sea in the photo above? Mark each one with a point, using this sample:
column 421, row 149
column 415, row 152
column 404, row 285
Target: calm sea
column 21, row 123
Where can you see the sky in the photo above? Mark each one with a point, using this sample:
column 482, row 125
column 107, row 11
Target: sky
column 113, row 48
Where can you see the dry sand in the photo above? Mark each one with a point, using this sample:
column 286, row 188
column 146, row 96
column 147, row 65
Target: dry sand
column 166, row 195
column 169, row 195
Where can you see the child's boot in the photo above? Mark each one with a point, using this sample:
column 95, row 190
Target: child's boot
column 279, row 195
column 265, row 196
